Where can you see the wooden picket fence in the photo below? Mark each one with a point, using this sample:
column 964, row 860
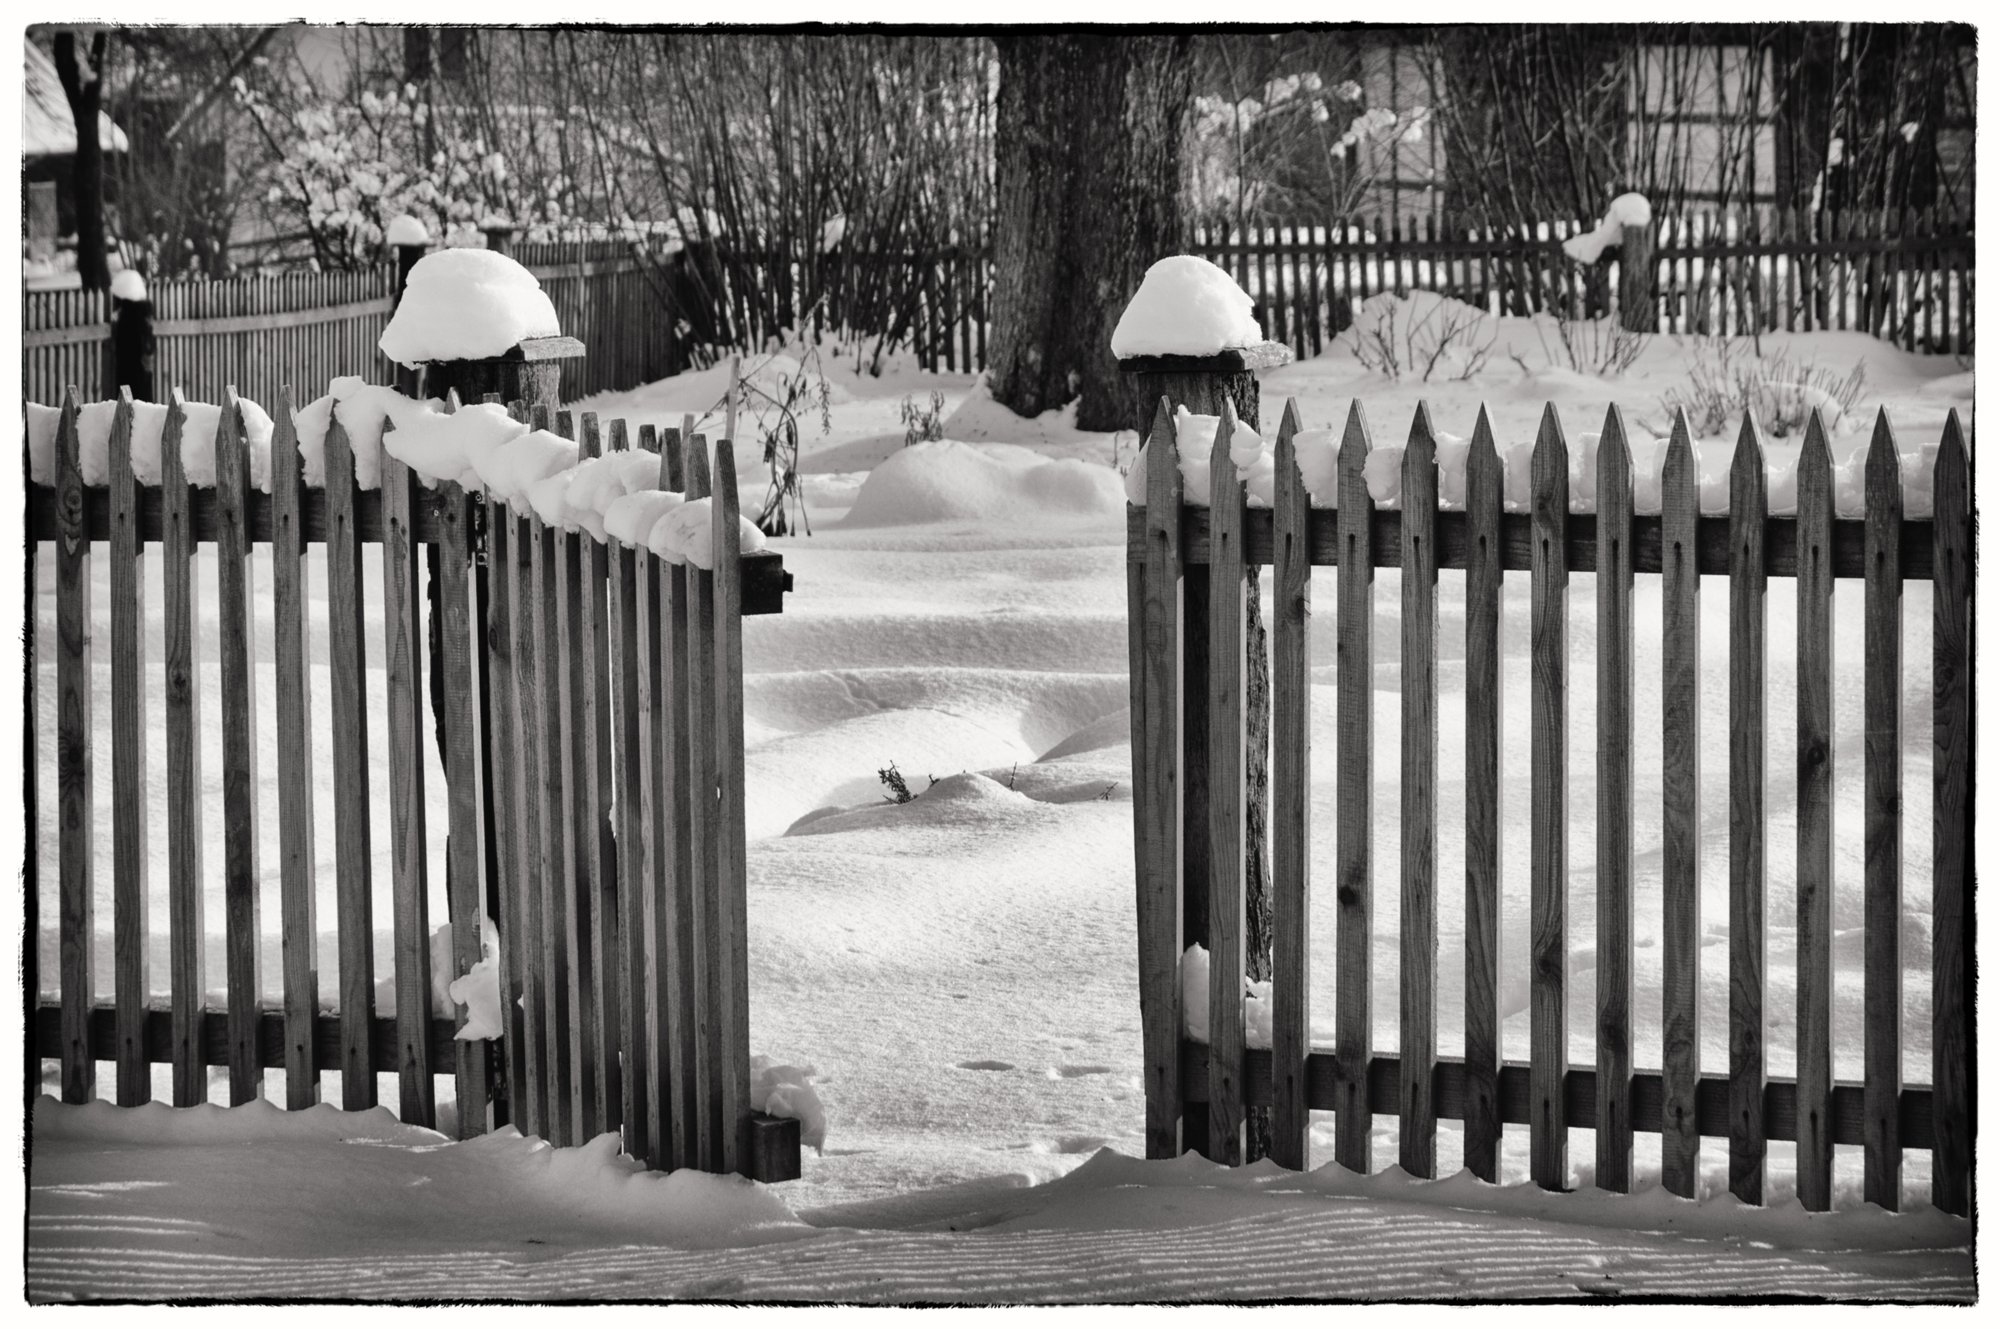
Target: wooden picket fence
column 1186, row 581
column 1907, row 279
column 256, row 332
column 613, row 680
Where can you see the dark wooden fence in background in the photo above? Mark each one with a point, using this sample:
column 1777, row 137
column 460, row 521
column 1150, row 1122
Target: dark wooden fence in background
column 1186, row 581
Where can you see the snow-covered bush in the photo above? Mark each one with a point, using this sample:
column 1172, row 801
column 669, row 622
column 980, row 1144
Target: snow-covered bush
column 1421, row 337
column 1780, row 394
column 922, row 424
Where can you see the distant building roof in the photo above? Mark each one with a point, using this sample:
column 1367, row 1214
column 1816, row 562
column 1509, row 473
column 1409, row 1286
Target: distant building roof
column 47, row 128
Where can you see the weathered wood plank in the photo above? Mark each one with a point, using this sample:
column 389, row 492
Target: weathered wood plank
column 1354, row 755
column 465, row 882
column 558, row 858
column 1291, row 810
column 1747, row 624
column 1815, row 825
column 299, row 931
column 1548, row 1016
column 1680, row 825
column 186, row 921
column 353, row 853
column 75, row 802
column 634, row 866
column 705, row 1145
column 1159, row 897
column 1615, row 763
column 1416, row 1108
column 1226, row 683
column 242, row 912
column 1882, row 815
column 1482, row 805
column 1951, row 825
column 534, row 824
column 595, row 840
column 403, row 632
column 211, row 1040
column 678, row 859
column 729, row 944
column 502, row 734
column 130, row 878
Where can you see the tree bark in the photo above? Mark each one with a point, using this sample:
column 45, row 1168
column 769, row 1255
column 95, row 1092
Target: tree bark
column 1087, row 175
column 86, row 98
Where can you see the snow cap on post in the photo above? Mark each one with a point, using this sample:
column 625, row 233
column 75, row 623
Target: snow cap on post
column 1188, row 314
column 467, row 304
column 407, row 230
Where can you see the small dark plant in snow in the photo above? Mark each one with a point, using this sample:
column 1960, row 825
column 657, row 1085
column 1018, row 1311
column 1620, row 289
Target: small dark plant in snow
column 923, row 424
column 898, row 787
column 1422, row 337
column 1596, row 347
column 776, row 398
column 1728, row 379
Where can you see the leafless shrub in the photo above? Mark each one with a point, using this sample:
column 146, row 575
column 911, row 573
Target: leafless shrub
column 1779, row 393
column 1425, row 339
column 1597, row 347
column 922, row 424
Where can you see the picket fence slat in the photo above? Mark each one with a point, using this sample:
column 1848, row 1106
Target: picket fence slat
column 353, row 859
column 1417, row 1132
column 402, row 637
column 594, row 844
column 502, row 728
column 1354, row 761
column 465, row 883
column 1747, row 629
column 678, row 812
column 130, row 877
column 1482, row 805
column 1615, row 774
column 75, row 802
column 186, row 916
column 698, row 686
column 1226, row 684
column 1882, row 823
column 1951, row 813
column 729, row 940
column 1291, row 807
column 1680, row 821
column 1548, row 956
column 299, row 933
column 242, row 915
column 1815, row 820
column 1159, row 787
column 633, row 864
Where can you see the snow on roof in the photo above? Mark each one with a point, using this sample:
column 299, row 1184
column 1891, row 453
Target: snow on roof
column 47, row 128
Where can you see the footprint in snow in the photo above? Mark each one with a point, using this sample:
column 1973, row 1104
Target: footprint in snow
column 986, row 1065
column 1072, row 1072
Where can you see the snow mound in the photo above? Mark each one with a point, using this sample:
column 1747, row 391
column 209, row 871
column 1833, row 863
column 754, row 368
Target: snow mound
column 1625, row 210
column 998, row 482
column 783, row 1090
column 467, row 304
column 407, row 230
column 1194, row 1002
column 686, row 534
column 1185, row 306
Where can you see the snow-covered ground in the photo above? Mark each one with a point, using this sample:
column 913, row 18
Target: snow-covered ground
column 961, row 969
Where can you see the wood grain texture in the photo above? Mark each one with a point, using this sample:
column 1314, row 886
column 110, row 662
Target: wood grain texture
column 575, row 760
column 557, row 881
column 403, row 632
column 1483, row 482
column 1747, row 630
column 502, row 770
column 531, row 850
column 1417, row 1110
column 628, row 679
column 658, row 787
column 1354, row 753
column 1815, row 821
column 75, row 801
column 31, row 805
column 699, row 682
column 186, row 917
column 1159, row 895
column 1951, row 825
column 1615, row 763
column 729, row 946
column 1882, row 823
column 1226, row 696
column 130, row 877
column 298, row 894
column 1548, row 853
column 685, row 960
column 1680, row 818
column 241, row 880
column 596, row 841
column 353, row 852
column 1291, row 807
column 465, row 881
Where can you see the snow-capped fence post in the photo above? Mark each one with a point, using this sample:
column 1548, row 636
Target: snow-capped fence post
column 499, row 235
column 1638, row 302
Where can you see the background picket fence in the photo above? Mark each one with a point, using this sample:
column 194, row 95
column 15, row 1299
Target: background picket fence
column 1187, row 570
column 612, row 678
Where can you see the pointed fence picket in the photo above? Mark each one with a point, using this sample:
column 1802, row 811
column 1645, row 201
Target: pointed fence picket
column 1197, row 1096
column 616, row 683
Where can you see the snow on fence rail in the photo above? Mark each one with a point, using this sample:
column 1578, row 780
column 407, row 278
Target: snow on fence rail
column 614, row 679
column 1186, row 577
column 1908, row 279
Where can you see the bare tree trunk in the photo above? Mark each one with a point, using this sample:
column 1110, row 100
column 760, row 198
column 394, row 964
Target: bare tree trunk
column 1087, row 166
column 86, row 97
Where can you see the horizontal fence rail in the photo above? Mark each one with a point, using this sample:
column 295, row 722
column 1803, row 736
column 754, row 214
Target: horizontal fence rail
column 537, row 701
column 1183, row 737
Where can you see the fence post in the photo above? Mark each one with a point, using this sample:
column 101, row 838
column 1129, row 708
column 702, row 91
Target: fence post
column 132, row 345
column 407, row 255
column 1638, row 308
column 1203, row 385
column 499, row 235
